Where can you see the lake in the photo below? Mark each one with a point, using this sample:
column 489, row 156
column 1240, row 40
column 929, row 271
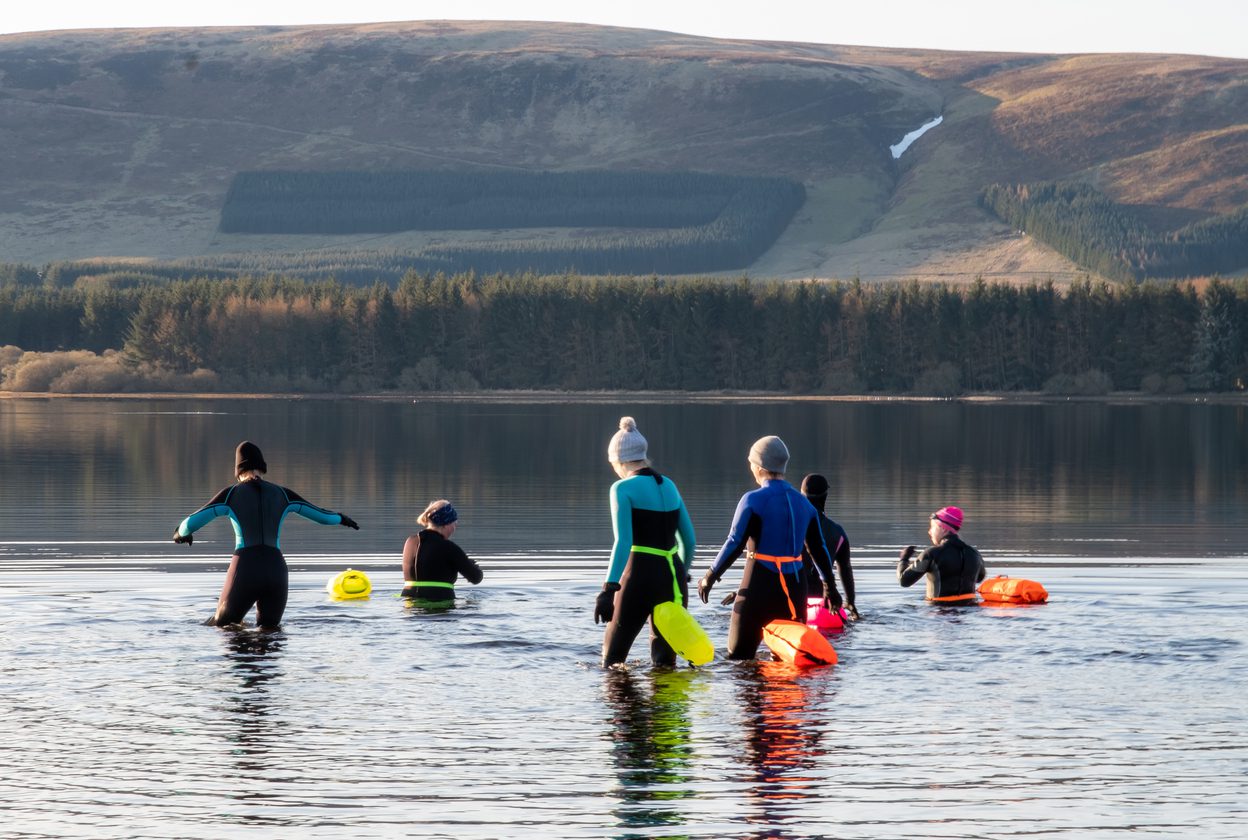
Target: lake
column 1116, row 709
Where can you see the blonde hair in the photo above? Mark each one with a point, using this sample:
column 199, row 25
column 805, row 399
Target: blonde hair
column 433, row 508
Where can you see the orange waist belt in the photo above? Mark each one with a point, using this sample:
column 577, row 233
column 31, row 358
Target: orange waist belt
column 771, row 558
column 969, row 596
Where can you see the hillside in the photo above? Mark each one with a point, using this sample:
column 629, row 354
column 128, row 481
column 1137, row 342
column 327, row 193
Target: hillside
column 124, row 143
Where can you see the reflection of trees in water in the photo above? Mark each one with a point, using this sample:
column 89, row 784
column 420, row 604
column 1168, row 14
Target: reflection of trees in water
column 783, row 743
column 256, row 735
column 652, row 749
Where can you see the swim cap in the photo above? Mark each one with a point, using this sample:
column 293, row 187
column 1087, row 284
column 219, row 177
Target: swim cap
column 815, row 488
column 627, row 444
column 770, row 453
column 247, row 457
column 950, row 517
column 438, row 513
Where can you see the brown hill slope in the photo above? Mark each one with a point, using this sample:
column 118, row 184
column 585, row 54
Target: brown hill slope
column 124, row 142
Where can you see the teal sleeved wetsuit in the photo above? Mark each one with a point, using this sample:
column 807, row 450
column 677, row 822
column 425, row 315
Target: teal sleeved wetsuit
column 651, row 559
column 257, row 574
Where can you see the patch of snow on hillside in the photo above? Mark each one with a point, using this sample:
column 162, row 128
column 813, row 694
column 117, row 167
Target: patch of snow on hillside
column 912, row 136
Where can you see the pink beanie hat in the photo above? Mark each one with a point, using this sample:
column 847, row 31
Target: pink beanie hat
column 950, row 517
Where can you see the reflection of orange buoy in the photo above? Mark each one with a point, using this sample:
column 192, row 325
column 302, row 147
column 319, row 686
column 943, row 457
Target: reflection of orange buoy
column 798, row 644
column 1008, row 590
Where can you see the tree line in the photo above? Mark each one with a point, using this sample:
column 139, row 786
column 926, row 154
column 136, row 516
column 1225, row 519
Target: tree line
column 1083, row 224
column 586, row 333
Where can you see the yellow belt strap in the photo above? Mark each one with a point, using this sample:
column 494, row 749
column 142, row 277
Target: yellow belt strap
column 670, row 554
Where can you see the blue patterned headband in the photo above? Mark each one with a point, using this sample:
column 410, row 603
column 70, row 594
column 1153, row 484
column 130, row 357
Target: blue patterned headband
column 444, row 515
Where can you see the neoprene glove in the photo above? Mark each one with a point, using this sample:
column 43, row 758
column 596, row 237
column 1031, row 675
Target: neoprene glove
column 178, row 538
column 704, row 585
column 604, row 607
column 831, row 598
column 906, row 554
column 348, row 522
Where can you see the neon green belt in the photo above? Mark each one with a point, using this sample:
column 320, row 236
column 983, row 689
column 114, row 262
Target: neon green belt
column 670, row 554
column 431, row 584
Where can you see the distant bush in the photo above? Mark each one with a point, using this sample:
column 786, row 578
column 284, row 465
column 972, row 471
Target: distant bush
column 85, row 372
column 1089, row 383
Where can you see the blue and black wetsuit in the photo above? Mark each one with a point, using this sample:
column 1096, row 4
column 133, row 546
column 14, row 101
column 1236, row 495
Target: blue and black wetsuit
column 773, row 522
column 653, row 540
column 257, row 573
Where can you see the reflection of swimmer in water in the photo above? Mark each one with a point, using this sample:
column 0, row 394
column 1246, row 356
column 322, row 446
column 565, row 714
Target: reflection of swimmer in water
column 952, row 567
column 256, row 508
column 774, row 522
column 431, row 562
column 783, row 743
column 651, row 745
column 653, row 541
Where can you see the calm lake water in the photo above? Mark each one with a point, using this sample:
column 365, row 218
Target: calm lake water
column 1117, row 709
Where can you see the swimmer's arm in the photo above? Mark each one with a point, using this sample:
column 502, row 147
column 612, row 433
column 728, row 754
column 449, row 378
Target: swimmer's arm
column 686, row 539
column 622, row 527
column 410, row 549
column 466, row 566
column 909, row 573
column 737, row 535
column 841, row 553
column 819, row 552
column 216, row 507
column 982, row 573
column 298, row 504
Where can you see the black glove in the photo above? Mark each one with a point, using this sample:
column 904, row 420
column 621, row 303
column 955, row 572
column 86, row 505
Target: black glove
column 178, row 538
column 831, row 598
column 348, row 522
column 704, row 585
column 906, row 554
column 604, row 607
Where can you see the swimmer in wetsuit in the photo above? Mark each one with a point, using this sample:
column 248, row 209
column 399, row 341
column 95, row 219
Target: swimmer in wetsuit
column 815, row 489
column 774, row 522
column 257, row 574
column 953, row 568
column 654, row 543
column 431, row 562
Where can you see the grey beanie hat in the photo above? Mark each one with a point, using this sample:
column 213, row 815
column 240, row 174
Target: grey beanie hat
column 627, row 444
column 770, row 453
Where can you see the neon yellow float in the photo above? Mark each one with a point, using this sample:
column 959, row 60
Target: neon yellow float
column 349, row 585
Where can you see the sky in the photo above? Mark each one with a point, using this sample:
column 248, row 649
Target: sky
column 1205, row 27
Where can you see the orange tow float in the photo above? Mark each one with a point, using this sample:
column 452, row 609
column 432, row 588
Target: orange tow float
column 1003, row 589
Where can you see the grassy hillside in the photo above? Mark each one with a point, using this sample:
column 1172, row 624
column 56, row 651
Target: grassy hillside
column 124, row 143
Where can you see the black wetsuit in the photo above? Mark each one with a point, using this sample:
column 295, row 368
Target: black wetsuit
column 439, row 561
column 257, row 573
column 649, row 516
column 953, row 569
column 837, row 542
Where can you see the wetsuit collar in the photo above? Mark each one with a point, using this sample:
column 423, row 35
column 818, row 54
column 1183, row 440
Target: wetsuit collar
column 658, row 479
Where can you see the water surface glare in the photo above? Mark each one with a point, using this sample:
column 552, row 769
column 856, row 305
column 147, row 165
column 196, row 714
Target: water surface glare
column 1117, row 709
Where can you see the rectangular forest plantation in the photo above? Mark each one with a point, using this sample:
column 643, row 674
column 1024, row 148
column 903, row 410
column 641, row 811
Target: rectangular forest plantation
column 665, row 222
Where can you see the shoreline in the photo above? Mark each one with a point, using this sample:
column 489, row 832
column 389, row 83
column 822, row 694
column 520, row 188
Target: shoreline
column 710, row 397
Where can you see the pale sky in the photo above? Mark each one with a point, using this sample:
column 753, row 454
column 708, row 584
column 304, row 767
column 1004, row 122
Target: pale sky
column 1206, row 27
